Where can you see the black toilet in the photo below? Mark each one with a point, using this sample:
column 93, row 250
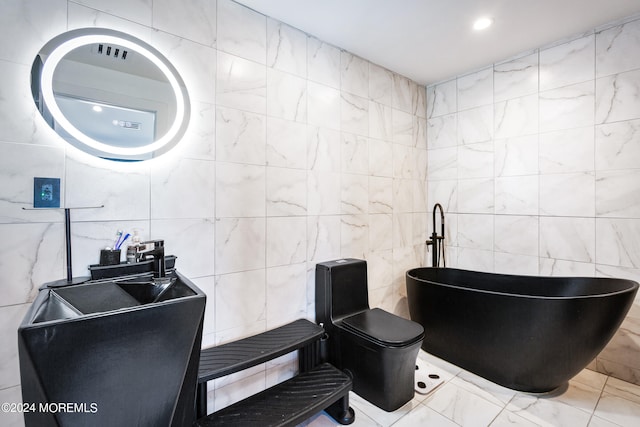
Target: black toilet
column 377, row 348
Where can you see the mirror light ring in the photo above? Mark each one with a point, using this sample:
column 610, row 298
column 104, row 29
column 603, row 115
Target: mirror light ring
column 54, row 58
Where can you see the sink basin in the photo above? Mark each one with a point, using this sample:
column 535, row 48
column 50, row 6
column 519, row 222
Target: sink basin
column 130, row 345
column 145, row 292
column 97, row 297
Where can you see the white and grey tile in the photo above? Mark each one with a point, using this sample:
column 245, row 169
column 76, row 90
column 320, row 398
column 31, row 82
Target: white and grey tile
column 286, row 48
column 617, row 97
column 286, row 240
column 567, row 107
column 240, row 136
column 241, row 31
column 195, row 20
column 241, row 84
column 240, row 190
column 442, row 131
column 323, row 63
column 516, row 156
column 286, row 192
column 239, row 244
column 515, row 78
column 476, row 89
column 442, row 99
column 475, row 125
column 571, row 239
column 617, row 193
column 286, row 143
column 567, row 63
column 286, row 96
column 354, row 74
column 567, row 151
column 617, row 49
column 617, row 145
column 571, row 194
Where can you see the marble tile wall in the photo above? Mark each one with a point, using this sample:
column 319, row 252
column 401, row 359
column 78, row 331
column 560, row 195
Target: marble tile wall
column 297, row 152
column 536, row 161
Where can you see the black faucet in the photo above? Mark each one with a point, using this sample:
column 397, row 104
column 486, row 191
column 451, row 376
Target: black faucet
column 437, row 241
column 157, row 252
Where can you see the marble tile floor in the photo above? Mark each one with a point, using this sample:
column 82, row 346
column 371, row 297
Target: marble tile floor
column 464, row 399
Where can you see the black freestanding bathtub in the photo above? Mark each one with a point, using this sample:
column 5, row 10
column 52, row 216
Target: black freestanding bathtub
column 526, row 333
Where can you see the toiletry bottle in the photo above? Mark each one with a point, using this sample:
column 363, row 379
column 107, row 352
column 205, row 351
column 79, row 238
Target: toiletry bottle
column 132, row 250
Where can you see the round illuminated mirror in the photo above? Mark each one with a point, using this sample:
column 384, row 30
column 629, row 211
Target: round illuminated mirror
column 110, row 94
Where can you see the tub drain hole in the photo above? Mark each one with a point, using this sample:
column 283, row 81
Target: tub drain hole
column 422, row 384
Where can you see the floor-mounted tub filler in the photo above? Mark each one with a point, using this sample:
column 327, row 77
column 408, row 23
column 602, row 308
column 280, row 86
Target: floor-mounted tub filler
column 526, row 333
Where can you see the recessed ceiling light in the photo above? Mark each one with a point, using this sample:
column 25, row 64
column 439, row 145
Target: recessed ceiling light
column 482, row 23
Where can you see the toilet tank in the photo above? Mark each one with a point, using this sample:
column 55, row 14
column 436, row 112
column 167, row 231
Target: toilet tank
column 341, row 289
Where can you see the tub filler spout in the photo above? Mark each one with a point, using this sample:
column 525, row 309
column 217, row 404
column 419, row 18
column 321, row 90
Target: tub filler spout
column 436, row 241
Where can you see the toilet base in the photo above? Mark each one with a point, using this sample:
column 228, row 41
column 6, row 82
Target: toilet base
column 384, row 376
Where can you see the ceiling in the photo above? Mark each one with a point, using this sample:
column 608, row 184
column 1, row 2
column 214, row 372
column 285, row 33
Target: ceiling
column 432, row 40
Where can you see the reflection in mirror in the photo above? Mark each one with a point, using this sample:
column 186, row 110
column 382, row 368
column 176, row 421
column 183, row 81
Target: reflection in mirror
column 110, row 94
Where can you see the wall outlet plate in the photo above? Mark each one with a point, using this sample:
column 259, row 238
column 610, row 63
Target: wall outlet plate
column 46, row 192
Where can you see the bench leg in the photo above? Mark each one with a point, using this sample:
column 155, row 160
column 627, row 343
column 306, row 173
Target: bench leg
column 201, row 400
column 341, row 412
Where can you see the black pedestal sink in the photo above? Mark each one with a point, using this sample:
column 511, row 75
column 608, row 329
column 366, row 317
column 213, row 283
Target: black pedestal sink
column 116, row 352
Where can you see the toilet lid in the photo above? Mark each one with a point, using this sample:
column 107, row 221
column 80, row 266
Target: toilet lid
column 384, row 327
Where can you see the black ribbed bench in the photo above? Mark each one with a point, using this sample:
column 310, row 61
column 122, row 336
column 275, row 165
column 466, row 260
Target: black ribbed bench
column 319, row 386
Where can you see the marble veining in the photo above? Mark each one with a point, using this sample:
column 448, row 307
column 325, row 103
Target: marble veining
column 241, row 84
column 355, row 154
column 567, row 107
column 286, row 48
column 240, row 136
column 441, row 99
column 516, row 234
column 567, row 151
column 475, row 125
column 323, row 238
column 617, row 145
column 515, row 78
column 476, row 89
column 239, row 245
column 617, row 49
column 323, row 62
column 240, row 190
column 354, row 76
column 354, row 194
column 286, row 192
column 286, row 96
column 380, row 122
column 567, row 63
column 242, row 31
column 354, row 114
column 286, row 143
column 286, row 240
column 168, row 183
column 571, row 194
column 516, row 117
column 380, row 84
column 168, row 16
column 617, row 193
column 379, row 154
column 617, row 97
column 324, row 149
column 571, row 239
column 516, row 156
